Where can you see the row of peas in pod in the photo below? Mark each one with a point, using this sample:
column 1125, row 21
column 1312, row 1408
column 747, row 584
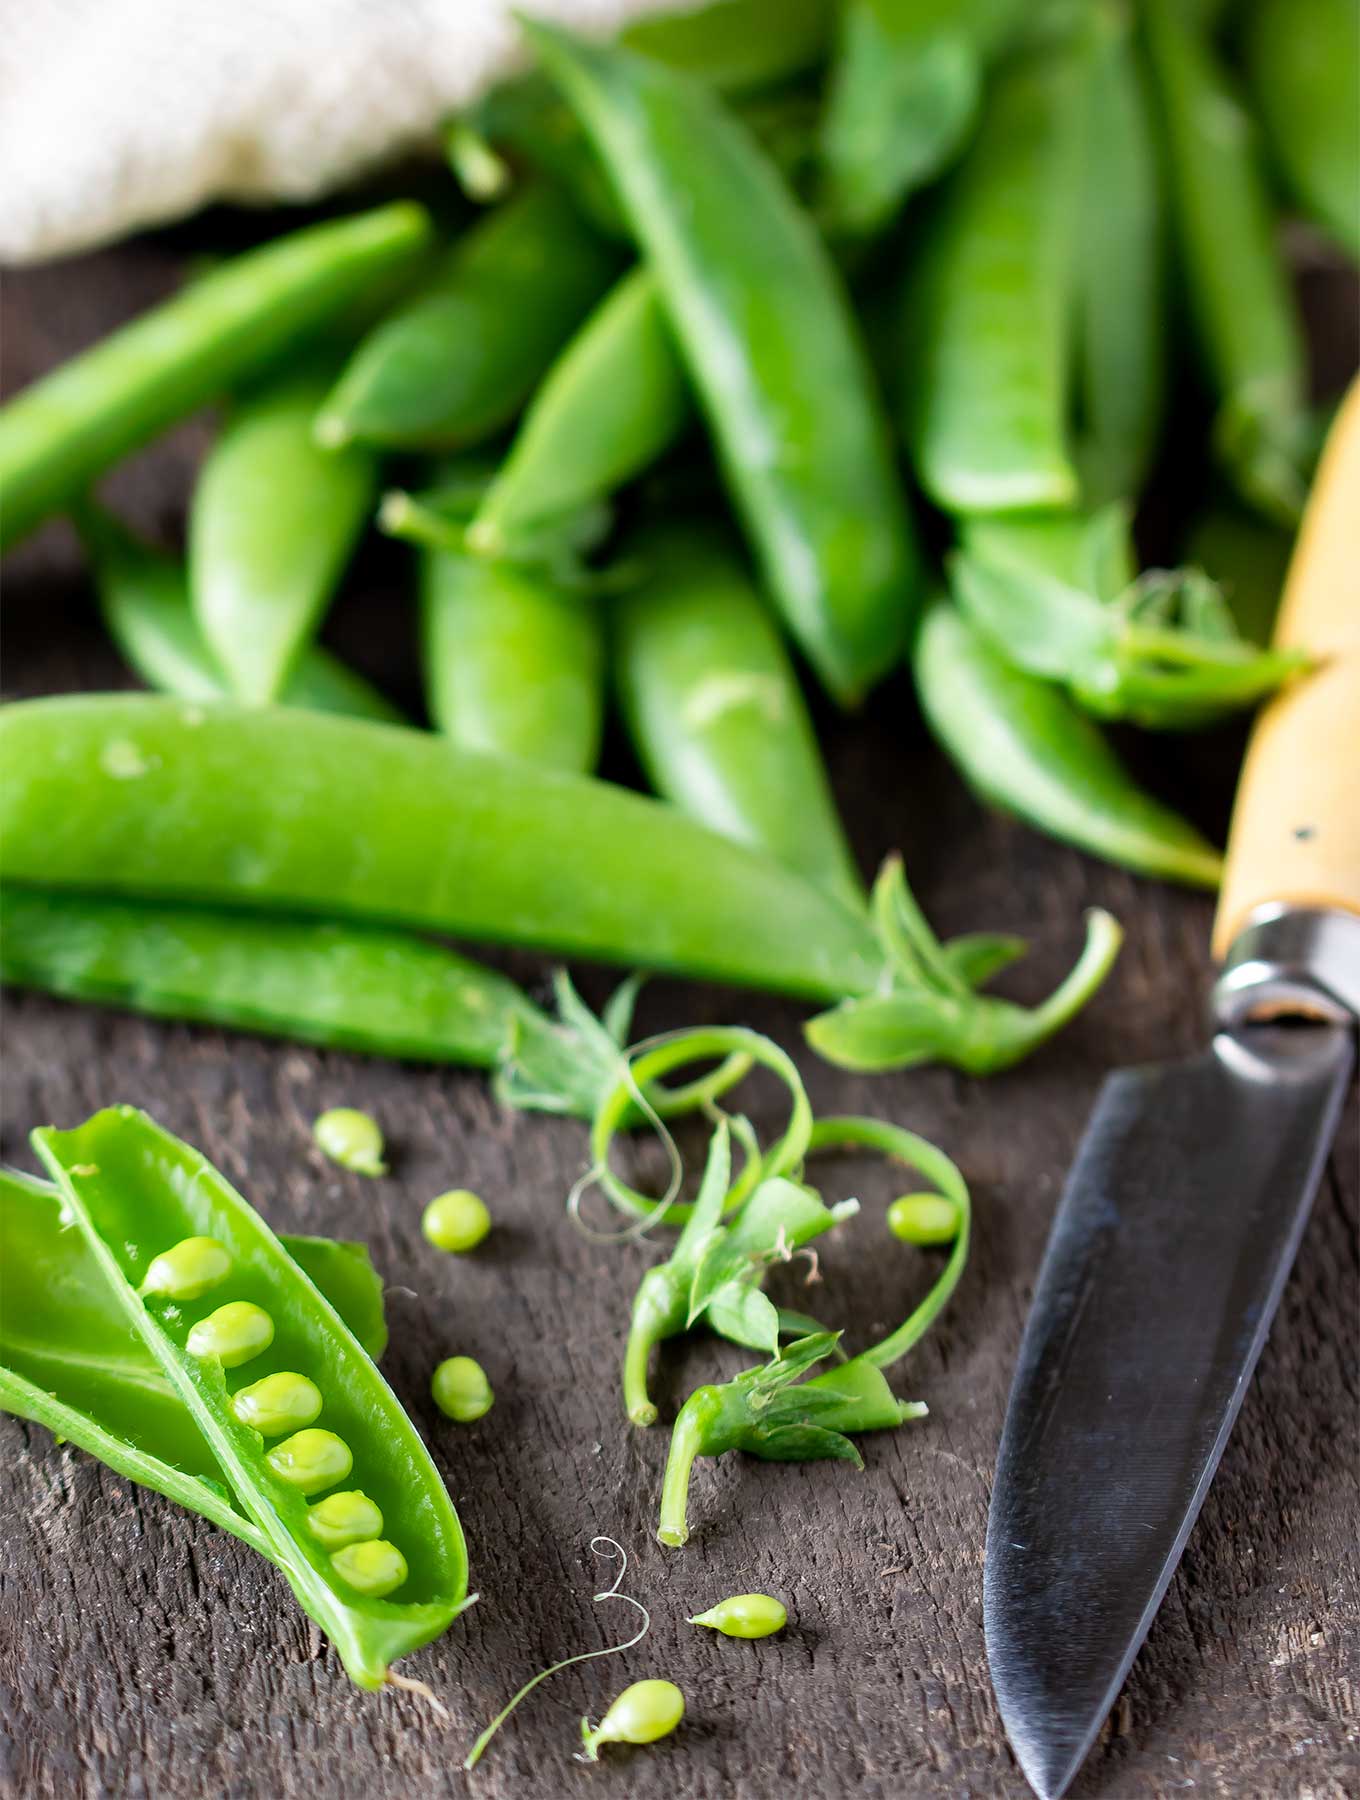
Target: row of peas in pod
column 772, row 332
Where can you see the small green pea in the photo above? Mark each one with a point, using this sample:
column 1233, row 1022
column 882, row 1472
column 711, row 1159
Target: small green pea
column 375, row 1567
column 311, row 1460
column 745, row 1616
column 345, row 1518
column 456, row 1221
column 233, row 1334
column 188, row 1269
column 278, row 1403
column 924, row 1219
column 642, row 1713
column 461, row 1389
column 349, row 1137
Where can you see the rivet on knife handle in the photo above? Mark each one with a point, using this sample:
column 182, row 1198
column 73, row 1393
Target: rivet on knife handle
column 1295, row 837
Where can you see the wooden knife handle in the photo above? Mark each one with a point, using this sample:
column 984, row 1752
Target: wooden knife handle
column 1295, row 836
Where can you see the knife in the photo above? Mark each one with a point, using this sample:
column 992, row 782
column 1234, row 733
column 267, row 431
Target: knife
column 1184, row 1208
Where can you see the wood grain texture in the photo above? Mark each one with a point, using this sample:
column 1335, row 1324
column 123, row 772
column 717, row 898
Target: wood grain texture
column 144, row 1653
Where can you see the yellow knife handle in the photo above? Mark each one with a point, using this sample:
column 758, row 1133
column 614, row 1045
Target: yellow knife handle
column 1295, row 837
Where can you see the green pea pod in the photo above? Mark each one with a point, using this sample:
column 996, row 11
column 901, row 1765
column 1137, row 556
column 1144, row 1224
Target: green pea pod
column 1022, row 744
column 1120, row 278
column 144, row 598
column 513, row 665
column 737, row 45
column 1161, row 651
column 1247, row 557
column 1301, row 58
column 273, row 521
column 1236, row 282
column 136, row 795
column 132, row 1192
column 715, row 711
column 455, row 362
column 766, row 333
column 64, row 431
column 990, row 300
column 906, row 81
column 615, row 399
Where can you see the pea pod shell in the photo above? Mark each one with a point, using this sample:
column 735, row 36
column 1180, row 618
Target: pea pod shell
column 715, row 710
column 138, row 795
column 127, row 1185
column 144, row 599
column 1024, row 746
column 513, row 664
column 61, row 433
column 271, row 527
column 765, row 330
column 455, row 362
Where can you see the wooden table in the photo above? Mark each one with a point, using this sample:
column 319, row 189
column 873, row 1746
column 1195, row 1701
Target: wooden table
column 142, row 1652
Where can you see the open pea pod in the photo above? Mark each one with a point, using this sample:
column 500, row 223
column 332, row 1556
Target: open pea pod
column 175, row 1243
column 70, row 1361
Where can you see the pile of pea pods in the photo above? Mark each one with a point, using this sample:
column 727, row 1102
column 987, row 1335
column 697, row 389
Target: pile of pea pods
column 778, row 340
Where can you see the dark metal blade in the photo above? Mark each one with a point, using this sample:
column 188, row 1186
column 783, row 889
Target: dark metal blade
column 1170, row 1248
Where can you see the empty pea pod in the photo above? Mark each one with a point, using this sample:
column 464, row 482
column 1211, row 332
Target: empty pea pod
column 144, row 598
column 1236, row 284
column 60, row 434
column 271, row 527
column 1022, row 744
column 765, row 331
column 513, row 662
column 70, row 1360
column 715, row 711
column 457, row 360
column 613, row 401
column 129, row 1187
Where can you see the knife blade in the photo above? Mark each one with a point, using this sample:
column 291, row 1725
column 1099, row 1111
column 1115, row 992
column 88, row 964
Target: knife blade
column 1183, row 1211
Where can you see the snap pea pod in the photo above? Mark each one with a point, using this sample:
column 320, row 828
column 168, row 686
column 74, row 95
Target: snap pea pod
column 144, row 599
column 271, row 526
column 1237, row 287
column 613, row 401
column 737, row 45
column 513, row 664
column 306, row 812
column 1119, row 333
column 60, row 434
column 990, row 300
column 766, row 333
column 456, row 361
column 1247, row 557
column 715, row 711
column 1025, row 747
column 135, row 1195
column 905, row 85
column 69, row 1361
column 1301, row 58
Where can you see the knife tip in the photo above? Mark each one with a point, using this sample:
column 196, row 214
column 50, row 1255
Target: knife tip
column 1049, row 1768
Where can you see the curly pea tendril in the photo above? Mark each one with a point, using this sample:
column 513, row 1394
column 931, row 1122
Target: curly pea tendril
column 615, row 1551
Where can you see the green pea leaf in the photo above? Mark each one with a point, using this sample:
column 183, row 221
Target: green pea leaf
column 801, row 1443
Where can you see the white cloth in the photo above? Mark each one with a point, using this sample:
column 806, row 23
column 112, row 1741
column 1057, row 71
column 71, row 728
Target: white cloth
column 116, row 114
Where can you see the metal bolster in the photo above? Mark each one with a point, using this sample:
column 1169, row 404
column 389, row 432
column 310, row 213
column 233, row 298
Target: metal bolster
column 1291, row 962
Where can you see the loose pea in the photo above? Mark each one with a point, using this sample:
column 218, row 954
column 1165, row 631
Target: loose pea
column 375, row 1568
column 343, row 1519
column 461, row 1389
column 278, row 1403
column 311, row 1460
column 642, row 1713
column 745, row 1616
column 456, row 1221
column 350, row 1138
column 233, row 1334
column 924, row 1219
column 188, row 1269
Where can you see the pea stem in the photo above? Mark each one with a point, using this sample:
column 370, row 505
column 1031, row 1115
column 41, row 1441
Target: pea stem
column 686, row 1442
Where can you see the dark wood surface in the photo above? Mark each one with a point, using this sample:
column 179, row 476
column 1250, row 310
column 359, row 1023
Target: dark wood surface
column 144, row 1653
